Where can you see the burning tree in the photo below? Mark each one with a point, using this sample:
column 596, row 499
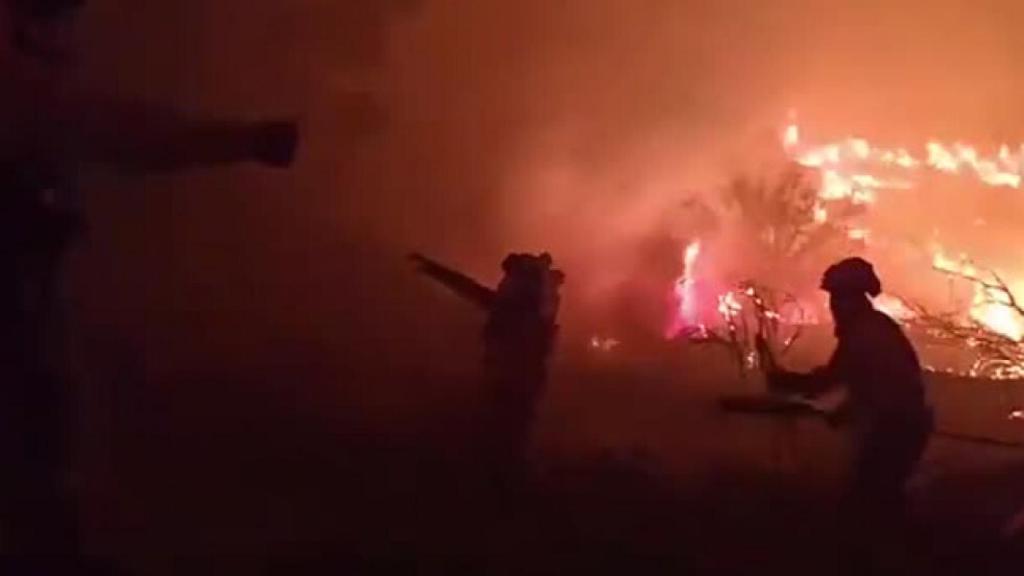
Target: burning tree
column 785, row 222
column 781, row 230
column 758, row 325
column 785, row 229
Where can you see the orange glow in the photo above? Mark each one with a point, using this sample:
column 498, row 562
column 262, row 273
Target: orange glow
column 855, row 170
column 999, row 318
column 604, row 344
column 791, row 137
column 862, row 234
column 820, row 214
column 893, row 307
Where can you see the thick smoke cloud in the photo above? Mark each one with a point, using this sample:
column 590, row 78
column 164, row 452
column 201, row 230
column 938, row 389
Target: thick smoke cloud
column 579, row 127
column 576, row 127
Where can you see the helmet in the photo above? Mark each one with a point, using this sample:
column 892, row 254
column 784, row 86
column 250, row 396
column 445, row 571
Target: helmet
column 514, row 263
column 853, row 276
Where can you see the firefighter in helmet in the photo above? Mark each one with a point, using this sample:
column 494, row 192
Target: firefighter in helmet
column 518, row 337
column 885, row 404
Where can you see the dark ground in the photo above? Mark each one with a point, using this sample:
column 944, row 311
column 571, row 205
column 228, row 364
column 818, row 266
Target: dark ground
column 643, row 476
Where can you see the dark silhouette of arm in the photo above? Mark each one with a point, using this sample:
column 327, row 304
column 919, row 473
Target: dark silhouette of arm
column 455, row 281
column 809, row 384
column 140, row 136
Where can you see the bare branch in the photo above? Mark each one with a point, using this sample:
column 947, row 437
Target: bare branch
column 996, row 355
column 752, row 325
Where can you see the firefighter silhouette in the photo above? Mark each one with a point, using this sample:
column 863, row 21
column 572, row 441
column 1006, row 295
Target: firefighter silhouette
column 885, row 405
column 518, row 339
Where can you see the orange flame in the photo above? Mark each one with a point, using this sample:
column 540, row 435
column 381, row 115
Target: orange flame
column 845, row 175
column 685, row 293
column 1005, row 169
column 855, row 170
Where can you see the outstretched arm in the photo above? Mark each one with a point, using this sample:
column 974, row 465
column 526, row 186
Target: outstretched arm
column 811, row 384
column 455, row 281
column 59, row 124
column 141, row 136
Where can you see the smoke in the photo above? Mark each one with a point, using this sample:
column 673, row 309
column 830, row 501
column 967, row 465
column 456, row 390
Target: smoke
column 580, row 128
column 577, row 127
column 233, row 305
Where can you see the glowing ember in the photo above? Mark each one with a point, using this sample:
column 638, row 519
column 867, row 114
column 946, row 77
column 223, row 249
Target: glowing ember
column 685, row 293
column 729, row 306
column 604, row 344
column 1017, row 415
column 861, row 234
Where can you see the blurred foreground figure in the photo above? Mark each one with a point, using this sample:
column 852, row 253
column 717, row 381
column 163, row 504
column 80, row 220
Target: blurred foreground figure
column 48, row 129
column 518, row 340
column 885, row 405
